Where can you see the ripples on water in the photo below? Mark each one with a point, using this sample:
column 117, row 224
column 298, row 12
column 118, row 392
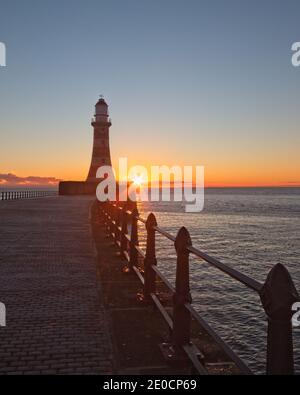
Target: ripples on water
column 250, row 229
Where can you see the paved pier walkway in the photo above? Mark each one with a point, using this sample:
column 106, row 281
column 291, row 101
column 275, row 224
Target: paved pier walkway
column 55, row 319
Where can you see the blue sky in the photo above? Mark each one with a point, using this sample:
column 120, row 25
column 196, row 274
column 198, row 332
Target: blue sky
column 188, row 82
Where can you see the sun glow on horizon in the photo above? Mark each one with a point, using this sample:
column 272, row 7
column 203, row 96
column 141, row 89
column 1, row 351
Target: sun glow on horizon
column 138, row 180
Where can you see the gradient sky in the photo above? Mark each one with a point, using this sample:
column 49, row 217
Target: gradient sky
column 188, row 82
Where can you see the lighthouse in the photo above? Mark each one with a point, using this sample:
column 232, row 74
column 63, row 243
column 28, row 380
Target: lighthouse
column 101, row 152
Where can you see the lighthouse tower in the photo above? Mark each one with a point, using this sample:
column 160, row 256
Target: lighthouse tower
column 101, row 153
column 100, row 157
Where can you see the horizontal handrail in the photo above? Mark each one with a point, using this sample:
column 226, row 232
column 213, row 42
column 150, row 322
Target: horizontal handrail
column 228, row 351
column 164, row 233
column 233, row 273
column 242, row 278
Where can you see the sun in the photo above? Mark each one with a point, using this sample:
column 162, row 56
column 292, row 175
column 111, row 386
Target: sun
column 137, row 180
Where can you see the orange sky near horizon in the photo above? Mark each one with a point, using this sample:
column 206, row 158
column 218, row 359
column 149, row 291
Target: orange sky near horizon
column 239, row 160
column 231, row 174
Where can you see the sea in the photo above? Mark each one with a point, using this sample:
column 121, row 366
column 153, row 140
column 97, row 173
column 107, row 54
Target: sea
column 249, row 229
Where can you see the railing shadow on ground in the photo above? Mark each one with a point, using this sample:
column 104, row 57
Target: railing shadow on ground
column 277, row 294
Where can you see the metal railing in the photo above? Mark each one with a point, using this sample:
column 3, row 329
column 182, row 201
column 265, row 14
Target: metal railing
column 277, row 294
column 29, row 194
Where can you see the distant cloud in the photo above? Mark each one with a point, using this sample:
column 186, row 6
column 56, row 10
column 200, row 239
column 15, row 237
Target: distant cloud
column 13, row 180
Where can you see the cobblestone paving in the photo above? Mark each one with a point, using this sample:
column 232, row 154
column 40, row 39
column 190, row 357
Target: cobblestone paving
column 55, row 321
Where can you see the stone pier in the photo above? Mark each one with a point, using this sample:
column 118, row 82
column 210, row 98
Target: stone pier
column 55, row 320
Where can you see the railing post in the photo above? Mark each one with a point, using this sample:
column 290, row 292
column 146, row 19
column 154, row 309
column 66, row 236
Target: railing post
column 112, row 212
column 133, row 261
column 278, row 295
column 123, row 245
column 108, row 214
column 181, row 316
column 111, row 226
column 150, row 258
column 118, row 224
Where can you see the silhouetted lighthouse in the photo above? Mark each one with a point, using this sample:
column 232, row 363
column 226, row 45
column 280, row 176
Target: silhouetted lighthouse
column 100, row 156
column 101, row 153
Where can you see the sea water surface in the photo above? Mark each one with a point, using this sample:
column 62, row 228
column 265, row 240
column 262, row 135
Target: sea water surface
column 250, row 229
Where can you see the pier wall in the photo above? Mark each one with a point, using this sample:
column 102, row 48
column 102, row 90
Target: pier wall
column 77, row 188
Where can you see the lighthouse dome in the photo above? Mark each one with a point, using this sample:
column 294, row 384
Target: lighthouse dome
column 101, row 110
column 101, row 102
